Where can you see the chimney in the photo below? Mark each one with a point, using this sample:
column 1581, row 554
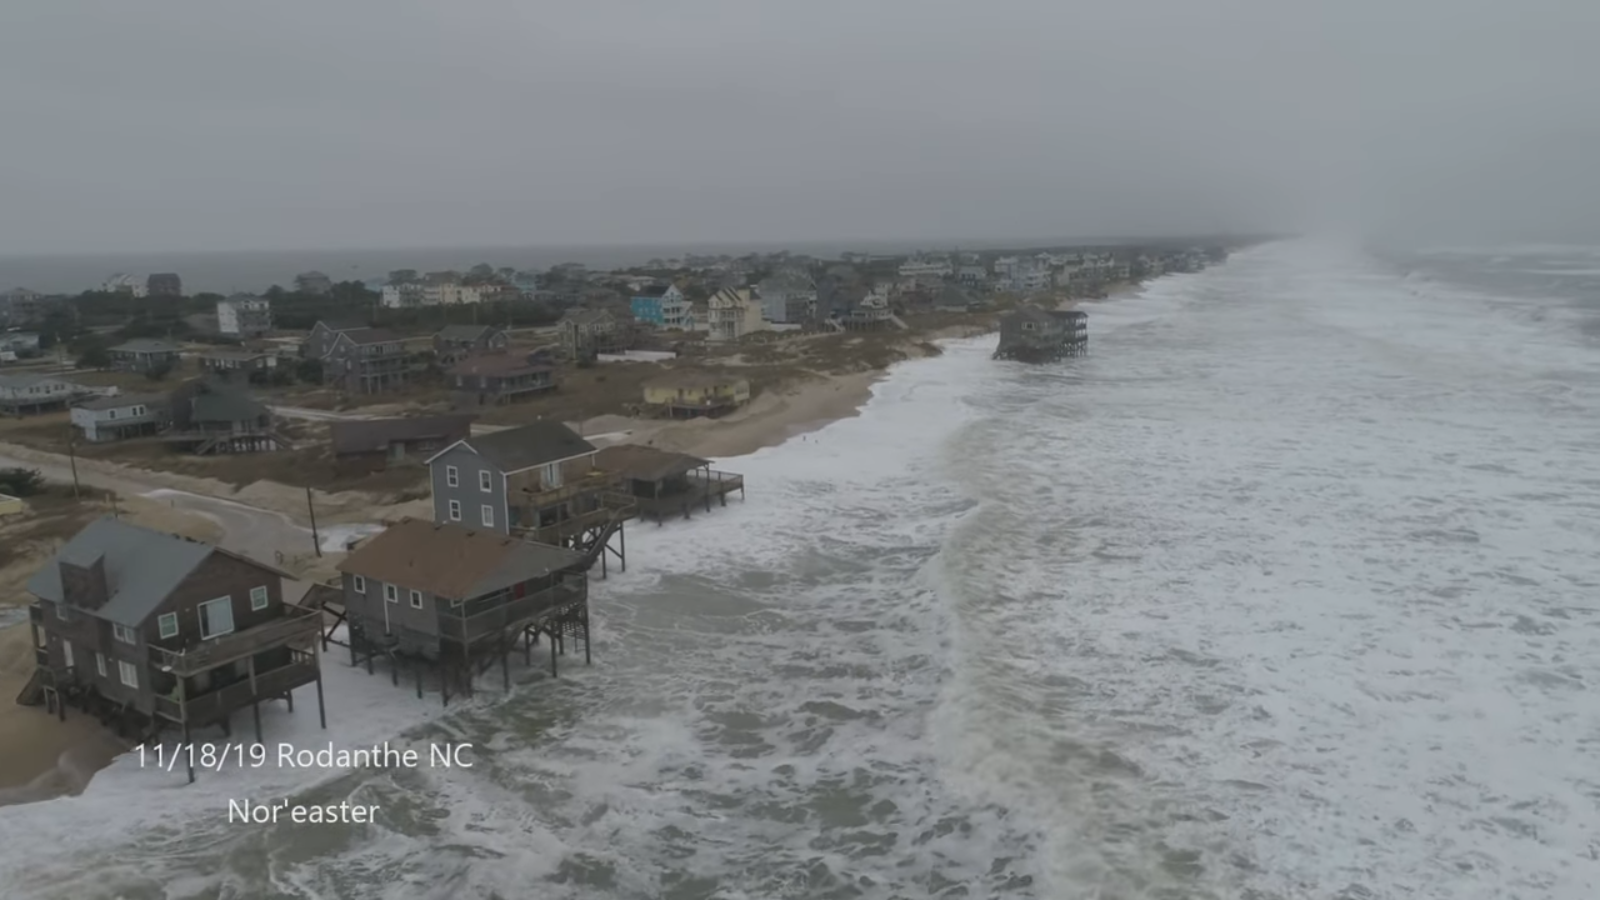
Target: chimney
column 85, row 587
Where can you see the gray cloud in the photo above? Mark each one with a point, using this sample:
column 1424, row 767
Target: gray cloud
column 185, row 124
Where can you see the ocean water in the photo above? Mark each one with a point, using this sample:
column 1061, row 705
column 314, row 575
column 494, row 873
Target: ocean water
column 1287, row 590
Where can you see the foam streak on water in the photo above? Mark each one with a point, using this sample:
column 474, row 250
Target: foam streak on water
column 1286, row 590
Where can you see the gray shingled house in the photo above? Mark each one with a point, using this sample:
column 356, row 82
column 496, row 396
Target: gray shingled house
column 456, row 342
column 498, row 481
column 147, row 629
column 1032, row 334
column 213, row 417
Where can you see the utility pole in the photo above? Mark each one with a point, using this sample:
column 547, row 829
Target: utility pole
column 72, row 458
column 316, row 541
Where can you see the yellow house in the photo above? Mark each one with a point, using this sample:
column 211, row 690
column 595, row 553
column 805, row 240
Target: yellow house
column 9, row 505
column 697, row 393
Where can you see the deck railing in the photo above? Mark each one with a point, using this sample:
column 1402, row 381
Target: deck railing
column 703, row 486
column 612, row 505
column 495, row 618
column 295, row 626
column 593, row 482
column 213, row 704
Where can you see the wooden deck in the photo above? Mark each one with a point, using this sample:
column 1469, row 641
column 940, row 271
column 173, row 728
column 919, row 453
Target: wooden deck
column 704, row 487
column 298, row 629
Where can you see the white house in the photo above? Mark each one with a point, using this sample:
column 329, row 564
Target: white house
column 244, row 315
column 733, row 313
column 23, row 394
column 126, row 284
column 926, row 269
column 113, row 418
column 399, row 296
column 450, row 294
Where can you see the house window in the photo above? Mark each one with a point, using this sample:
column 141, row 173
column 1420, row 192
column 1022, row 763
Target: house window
column 552, row 475
column 168, row 625
column 488, row 516
column 130, row 675
column 138, row 410
column 111, row 414
column 416, row 599
column 100, row 664
column 124, row 634
column 360, row 584
column 63, row 613
column 258, row 598
column 452, row 476
column 391, row 593
column 484, row 483
column 66, row 653
column 455, row 510
column 216, row 617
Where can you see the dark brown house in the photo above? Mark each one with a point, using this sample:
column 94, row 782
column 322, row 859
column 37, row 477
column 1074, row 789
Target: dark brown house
column 494, row 379
column 148, row 629
column 665, row 484
column 461, row 598
column 374, row 443
column 457, row 342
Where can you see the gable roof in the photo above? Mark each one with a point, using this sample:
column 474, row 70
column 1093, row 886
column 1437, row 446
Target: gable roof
column 146, row 345
column 522, row 448
column 452, row 561
column 340, row 327
column 143, row 567
column 369, row 335
column 374, row 435
column 465, row 332
column 498, row 365
column 121, row 401
column 26, row 380
column 586, row 316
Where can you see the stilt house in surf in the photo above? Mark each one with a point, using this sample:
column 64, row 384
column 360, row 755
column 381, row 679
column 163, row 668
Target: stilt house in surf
column 1032, row 334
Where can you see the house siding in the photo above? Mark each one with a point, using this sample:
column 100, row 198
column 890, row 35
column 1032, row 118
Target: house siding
column 468, row 493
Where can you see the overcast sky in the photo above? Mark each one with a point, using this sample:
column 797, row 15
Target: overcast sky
column 203, row 124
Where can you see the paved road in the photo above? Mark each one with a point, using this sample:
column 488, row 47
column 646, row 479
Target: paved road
column 258, row 533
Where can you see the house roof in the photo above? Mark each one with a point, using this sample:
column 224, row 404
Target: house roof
column 213, row 403
column 121, row 401
column 644, row 463
column 498, row 364
column 375, row 435
column 731, row 297
column 339, row 327
column 143, row 567
column 452, row 561
column 367, row 335
column 23, row 380
column 146, row 345
column 691, row 379
column 464, row 332
column 224, row 353
column 586, row 316
column 523, row 448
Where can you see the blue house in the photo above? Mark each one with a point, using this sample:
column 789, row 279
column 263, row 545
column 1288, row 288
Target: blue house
column 658, row 306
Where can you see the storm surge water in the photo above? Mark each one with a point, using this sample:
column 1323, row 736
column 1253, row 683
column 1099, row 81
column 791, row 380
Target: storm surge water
column 1287, row 590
